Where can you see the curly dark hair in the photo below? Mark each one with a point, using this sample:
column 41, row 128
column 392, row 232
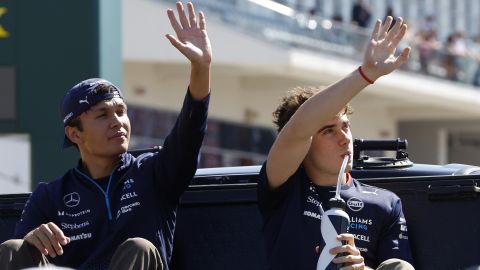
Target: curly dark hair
column 293, row 100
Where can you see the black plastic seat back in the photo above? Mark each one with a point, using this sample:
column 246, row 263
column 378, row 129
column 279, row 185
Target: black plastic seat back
column 11, row 206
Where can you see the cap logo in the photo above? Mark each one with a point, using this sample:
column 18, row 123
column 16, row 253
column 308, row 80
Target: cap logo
column 95, row 83
column 83, row 100
column 67, row 117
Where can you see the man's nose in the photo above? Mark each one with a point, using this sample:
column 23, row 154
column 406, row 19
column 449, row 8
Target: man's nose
column 115, row 120
column 344, row 137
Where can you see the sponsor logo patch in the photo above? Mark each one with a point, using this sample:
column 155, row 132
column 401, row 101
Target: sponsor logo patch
column 127, row 208
column 80, row 213
column 355, row 204
column 72, row 199
column 80, row 236
column 74, row 226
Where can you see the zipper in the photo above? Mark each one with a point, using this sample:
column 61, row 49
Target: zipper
column 105, row 193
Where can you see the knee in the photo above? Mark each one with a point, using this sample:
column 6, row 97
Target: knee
column 11, row 245
column 395, row 264
column 138, row 244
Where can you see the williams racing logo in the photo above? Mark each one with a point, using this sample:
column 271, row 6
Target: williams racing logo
column 355, row 204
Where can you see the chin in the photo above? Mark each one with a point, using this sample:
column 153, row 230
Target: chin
column 123, row 148
column 120, row 149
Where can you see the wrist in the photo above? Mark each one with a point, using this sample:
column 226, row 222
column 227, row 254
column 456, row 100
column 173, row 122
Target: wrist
column 368, row 77
column 368, row 74
column 201, row 63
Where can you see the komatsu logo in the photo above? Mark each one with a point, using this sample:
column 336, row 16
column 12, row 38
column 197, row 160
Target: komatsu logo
column 81, row 236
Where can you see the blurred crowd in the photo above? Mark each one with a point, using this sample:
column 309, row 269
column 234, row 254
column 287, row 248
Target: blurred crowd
column 457, row 54
column 456, row 57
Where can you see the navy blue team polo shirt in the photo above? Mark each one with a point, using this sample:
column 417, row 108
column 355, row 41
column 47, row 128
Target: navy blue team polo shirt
column 292, row 217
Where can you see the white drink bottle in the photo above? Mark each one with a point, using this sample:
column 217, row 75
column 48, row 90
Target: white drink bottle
column 335, row 221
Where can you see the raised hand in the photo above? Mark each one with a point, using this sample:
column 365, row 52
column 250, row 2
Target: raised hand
column 192, row 39
column 379, row 58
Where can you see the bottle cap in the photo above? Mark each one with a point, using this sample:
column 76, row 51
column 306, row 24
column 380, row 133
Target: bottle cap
column 337, row 203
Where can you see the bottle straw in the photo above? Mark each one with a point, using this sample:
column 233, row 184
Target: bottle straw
column 340, row 176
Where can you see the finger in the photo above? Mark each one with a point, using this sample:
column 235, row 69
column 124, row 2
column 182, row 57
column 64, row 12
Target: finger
column 173, row 21
column 386, row 27
column 399, row 36
column 175, row 42
column 369, row 51
column 35, row 241
column 354, row 267
column 403, row 57
column 203, row 23
column 349, row 259
column 54, row 242
column 350, row 249
column 376, row 29
column 182, row 16
column 191, row 15
column 56, row 245
column 345, row 249
column 394, row 31
column 317, row 249
column 58, row 233
column 44, row 237
column 347, row 237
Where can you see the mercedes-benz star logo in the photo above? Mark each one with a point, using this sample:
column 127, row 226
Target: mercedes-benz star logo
column 71, row 199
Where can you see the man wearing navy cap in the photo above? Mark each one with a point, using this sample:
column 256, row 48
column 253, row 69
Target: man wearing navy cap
column 114, row 210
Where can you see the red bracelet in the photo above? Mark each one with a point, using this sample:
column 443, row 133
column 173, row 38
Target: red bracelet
column 364, row 76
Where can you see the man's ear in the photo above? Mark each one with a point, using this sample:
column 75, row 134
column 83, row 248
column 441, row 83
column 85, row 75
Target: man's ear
column 73, row 134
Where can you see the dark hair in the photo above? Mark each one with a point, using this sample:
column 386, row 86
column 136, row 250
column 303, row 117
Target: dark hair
column 293, row 100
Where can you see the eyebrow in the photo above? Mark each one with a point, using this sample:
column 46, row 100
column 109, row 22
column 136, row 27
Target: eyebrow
column 332, row 126
column 325, row 127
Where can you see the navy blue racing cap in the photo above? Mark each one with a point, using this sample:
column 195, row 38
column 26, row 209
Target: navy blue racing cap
column 82, row 97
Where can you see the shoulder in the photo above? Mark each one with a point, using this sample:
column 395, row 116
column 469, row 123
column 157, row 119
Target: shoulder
column 49, row 188
column 139, row 157
column 373, row 190
column 299, row 176
column 373, row 196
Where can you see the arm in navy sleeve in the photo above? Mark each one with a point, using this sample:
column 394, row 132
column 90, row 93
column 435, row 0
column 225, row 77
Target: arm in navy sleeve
column 177, row 162
column 393, row 243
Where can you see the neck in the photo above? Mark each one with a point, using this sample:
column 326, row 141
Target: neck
column 324, row 178
column 98, row 167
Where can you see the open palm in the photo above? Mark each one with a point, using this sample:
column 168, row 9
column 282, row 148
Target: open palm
column 192, row 39
column 380, row 56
